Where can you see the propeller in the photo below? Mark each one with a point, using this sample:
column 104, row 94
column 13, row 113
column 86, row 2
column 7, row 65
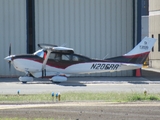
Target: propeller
column 9, row 55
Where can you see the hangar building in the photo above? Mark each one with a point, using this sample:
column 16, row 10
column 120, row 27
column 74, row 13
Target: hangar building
column 154, row 31
column 94, row 28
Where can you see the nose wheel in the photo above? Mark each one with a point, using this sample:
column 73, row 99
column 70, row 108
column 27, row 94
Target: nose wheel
column 26, row 78
column 24, row 82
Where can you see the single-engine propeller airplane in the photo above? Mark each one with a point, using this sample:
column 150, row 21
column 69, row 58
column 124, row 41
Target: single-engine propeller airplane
column 58, row 63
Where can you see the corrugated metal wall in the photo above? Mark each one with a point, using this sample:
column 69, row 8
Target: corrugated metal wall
column 94, row 28
column 12, row 31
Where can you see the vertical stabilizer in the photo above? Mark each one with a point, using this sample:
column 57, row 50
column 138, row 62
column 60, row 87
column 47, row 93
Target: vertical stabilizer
column 144, row 46
column 138, row 54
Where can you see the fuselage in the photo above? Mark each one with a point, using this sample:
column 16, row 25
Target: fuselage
column 66, row 64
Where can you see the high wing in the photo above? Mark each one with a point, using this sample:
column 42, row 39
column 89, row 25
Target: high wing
column 55, row 48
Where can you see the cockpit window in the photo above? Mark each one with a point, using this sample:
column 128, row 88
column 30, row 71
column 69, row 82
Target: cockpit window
column 39, row 53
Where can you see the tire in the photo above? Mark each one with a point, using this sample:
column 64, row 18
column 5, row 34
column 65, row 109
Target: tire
column 24, row 82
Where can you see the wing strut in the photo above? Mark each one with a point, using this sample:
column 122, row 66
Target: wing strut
column 44, row 63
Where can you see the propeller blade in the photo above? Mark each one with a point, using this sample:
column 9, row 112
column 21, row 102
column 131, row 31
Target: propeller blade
column 9, row 55
column 10, row 49
column 9, row 65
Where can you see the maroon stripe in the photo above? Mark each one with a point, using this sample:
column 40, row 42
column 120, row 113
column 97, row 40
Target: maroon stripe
column 52, row 63
column 137, row 55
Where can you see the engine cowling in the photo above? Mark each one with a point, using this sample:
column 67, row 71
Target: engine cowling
column 25, row 79
column 59, row 79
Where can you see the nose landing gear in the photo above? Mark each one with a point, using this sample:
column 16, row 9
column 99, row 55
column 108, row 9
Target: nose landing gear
column 26, row 78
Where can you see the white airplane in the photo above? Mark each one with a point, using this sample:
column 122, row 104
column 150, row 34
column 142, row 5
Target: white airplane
column 58, row 63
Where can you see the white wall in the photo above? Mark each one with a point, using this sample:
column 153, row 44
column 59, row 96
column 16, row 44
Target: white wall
column 92, row 27
column 12, row 31
column 154, row 29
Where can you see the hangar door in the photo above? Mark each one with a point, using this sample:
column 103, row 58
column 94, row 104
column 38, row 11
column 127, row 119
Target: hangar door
column 94, row 28
column 12, row 32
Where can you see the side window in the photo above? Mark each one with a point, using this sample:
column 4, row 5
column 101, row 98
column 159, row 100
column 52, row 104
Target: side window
column 66, row 57
column 58, row 56
column 75, row 58
column 55, row 56
column 79, row 58
column 52, row 56
column 39, row 53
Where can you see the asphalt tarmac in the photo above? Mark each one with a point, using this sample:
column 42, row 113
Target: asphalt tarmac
column 90, row 84
column 149, row 81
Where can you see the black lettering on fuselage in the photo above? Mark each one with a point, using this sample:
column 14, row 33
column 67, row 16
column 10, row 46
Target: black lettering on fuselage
column 105, row 66
column 112, row 66
column 116, row 66
column 93, row 66
column 102, row 66
column 98, row 66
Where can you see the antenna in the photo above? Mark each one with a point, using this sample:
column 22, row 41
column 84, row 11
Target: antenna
column 105, row 57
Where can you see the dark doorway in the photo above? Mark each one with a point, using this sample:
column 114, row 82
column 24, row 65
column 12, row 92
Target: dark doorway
column 30, row 26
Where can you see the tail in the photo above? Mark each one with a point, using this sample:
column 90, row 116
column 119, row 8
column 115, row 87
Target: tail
column 138, row 54
column 143, row 47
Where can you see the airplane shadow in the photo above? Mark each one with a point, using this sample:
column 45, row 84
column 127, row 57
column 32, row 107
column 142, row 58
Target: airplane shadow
column 73, row 84
column 83, row 81
column 43, row 81
column 138, row 82
column 67, row 83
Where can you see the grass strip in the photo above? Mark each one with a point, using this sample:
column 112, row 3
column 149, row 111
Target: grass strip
column 82, row 96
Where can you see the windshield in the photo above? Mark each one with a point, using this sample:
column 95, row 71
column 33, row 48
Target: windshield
column 39, row 53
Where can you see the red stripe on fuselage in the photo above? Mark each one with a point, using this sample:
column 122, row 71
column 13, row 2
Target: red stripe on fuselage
column 52, row 63
column 137, row 55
